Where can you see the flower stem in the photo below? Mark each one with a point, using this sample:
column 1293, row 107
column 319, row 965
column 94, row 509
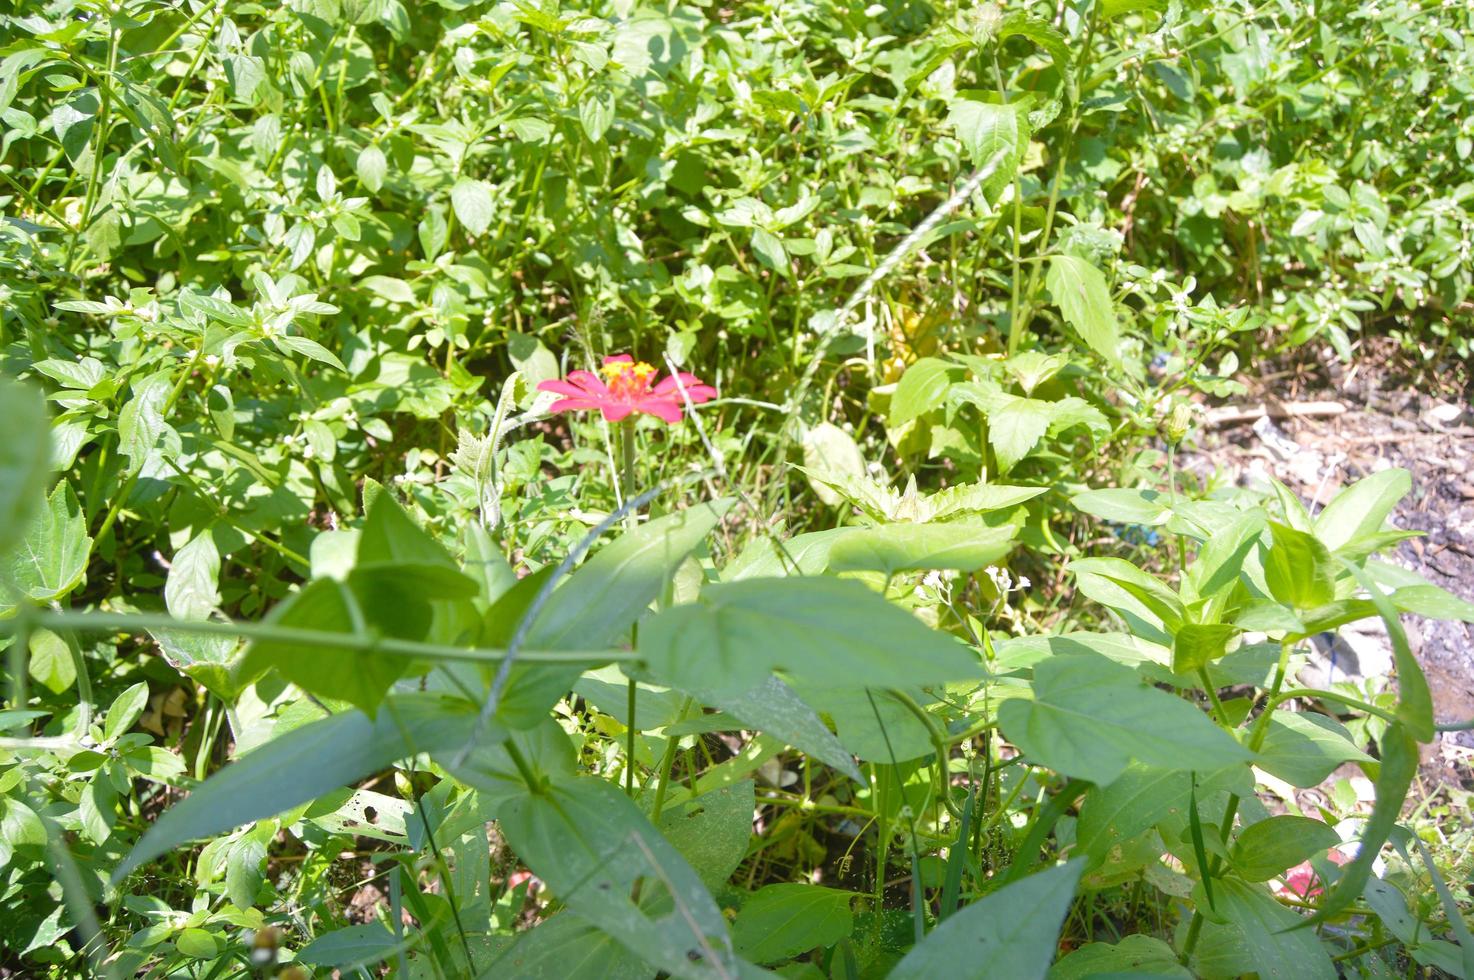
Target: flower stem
column 628, row 492
column 666, row 763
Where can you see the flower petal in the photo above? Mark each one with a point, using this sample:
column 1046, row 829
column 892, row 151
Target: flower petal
column 662, row 407
column 615, row 411
column 619, row 358
column 573, row 405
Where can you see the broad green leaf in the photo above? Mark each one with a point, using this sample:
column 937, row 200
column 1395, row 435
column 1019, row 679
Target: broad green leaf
column 1079, row 290
column 1219, row 562
column 987, row 129
column 1195, row 645
column 1298, row 569
column 192, row 589
column 51, row 664
column 51, row 557
column 295, row 343
column 802, row 554
column 124, row 711
column 1360, row 510
column 1133, row 956
column 600, row 601
column 472, row 201
column 367, row 945
column 595, row 113
column 1091, row 717
column 24, row 453
column 921, row 389
column 972, row 498
column 1303, row 748
column 353, row 674
column 1146, row 507
column 141, row 422
column 1433, row 602
column 711, row 831
column 783, row 920
column 1269, row 847
column 900, row 547
column 1020, row 24
column 872, row 723
column 568, row 947
column 589, row 843
column 307, row 762
column 830, row 449
column 1142, row 591
column 1011, row 933
column 774, row 708
column 1015, row 428
column 1132, row 804
column 813, row 628
column 371, row 166
column 1261, row 936
column 493, row 771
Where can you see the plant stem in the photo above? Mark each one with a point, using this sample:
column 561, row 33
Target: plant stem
column 667, row 761
column 138, row 623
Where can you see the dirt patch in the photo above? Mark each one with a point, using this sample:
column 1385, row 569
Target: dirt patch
column 1393, row 417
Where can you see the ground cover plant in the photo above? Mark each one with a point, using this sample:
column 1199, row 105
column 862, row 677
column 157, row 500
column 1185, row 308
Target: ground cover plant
column 635, row 489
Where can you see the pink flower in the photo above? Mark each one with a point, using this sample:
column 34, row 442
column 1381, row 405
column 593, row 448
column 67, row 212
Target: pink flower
column 627, row 390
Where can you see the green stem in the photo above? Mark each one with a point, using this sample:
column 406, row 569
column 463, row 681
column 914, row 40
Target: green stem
column 139, row 623
column 629, row 745
column 667, row 761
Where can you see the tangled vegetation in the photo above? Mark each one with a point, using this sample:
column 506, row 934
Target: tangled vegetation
column 633, row 489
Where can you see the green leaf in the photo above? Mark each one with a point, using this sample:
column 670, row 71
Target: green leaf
column 244, row 869
column 1195, row 645
column 307, row 762
column 51, row 664
column 368, row 945
column 473, row 204
column 1262, row 850
column 1145, row 507
column 372, row 166
column 830, row 450
column 1079, row 290
column 1433, row 602
column 1298, row 569
column 783, row 920
column 1360, row 510
column 1132, row 804
column 1011, row 933
column 1264, row 937
column 1303, row 748
column 1399, row 764
column 776, row 709
column 596, row 113
column 711, row 831
column 1090, row 717
column 568, row 947
column 198, row 944
column 589, row 843
column 921, row 389
column 1121, row 585
column 987, row 129
column 813, row 628
column 192, row 589
column 51, row 557
column 141, row 423
column 1015, row 428
column 1220, row 561
column 1133, row 956
column 900, row 547
column 125, row 710
column 1414, row 700
column 294, row 343
column 358, row 676
column 24, row 454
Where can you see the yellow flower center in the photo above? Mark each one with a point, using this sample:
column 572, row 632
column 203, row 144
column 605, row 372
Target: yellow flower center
column 627, row 377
